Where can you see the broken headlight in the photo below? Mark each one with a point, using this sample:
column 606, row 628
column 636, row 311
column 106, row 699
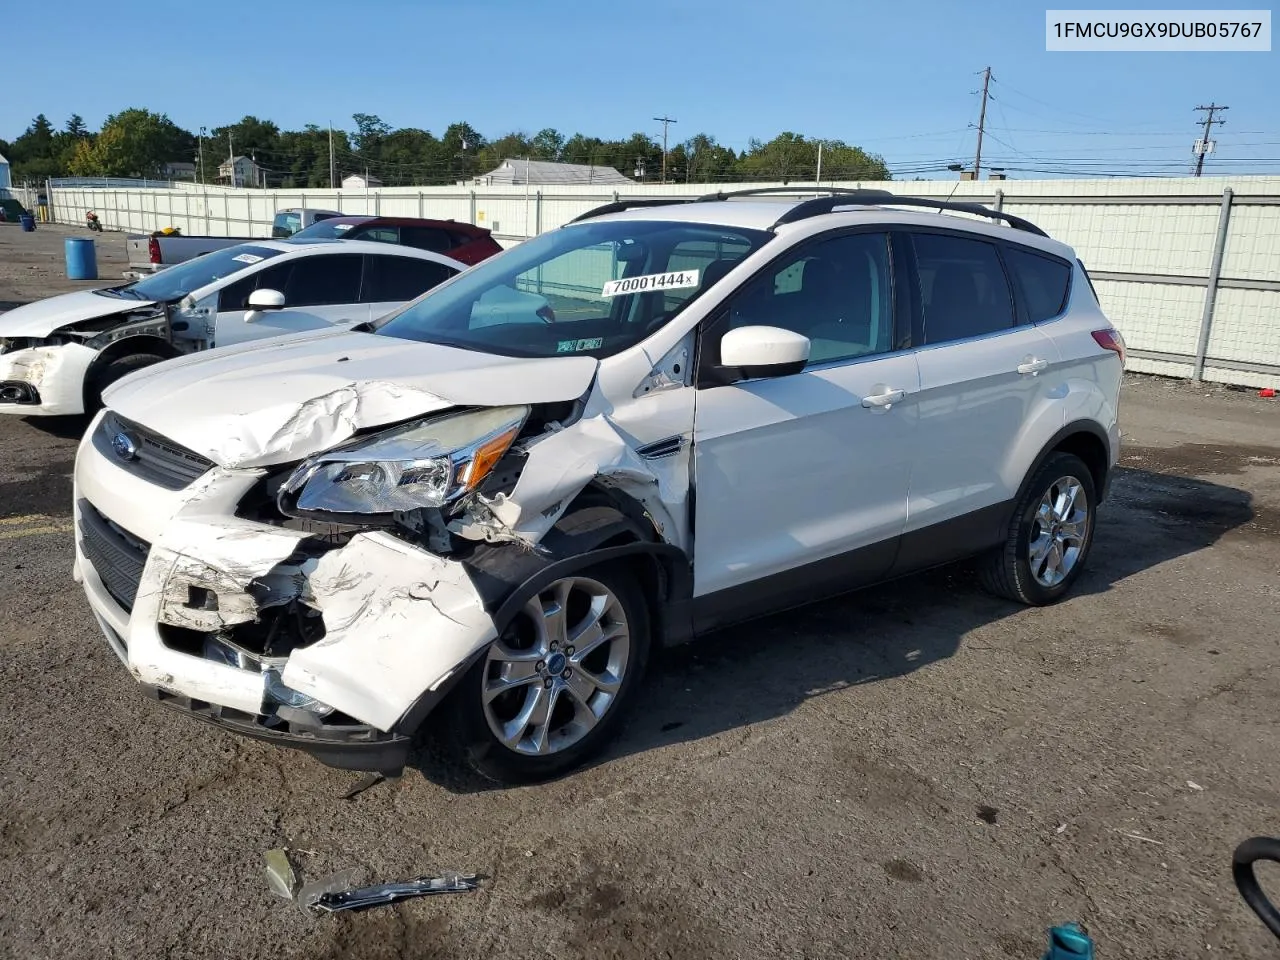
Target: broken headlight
column 424, row 464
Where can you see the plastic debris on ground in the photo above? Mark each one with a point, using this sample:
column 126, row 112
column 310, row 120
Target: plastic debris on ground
column 280, row 876
column 1069, row 942
column 334, row 901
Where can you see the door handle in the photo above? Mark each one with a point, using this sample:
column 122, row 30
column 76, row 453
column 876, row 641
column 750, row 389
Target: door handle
column 886, row 399
column 1032, row 365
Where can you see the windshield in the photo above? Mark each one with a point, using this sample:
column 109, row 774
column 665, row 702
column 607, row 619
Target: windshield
column 324, row 230
column 593, row 288
column 174, row 283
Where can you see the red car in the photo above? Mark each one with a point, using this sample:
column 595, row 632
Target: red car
column 461, row 241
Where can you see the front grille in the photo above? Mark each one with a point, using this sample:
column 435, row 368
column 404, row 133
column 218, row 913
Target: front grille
column 117, row 557
column 154, row 458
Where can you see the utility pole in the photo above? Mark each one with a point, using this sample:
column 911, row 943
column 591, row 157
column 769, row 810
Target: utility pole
column 982, row 123
column 1205, row 144
column 666, row 122
column 200, row 151
column 333, row 180
column 818, row 177
column 231, row 158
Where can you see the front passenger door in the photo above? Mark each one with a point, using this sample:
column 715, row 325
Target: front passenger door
column 801, row 480
column 319, row 290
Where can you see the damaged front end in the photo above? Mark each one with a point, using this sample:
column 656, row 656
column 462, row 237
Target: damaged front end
column 46, row 375
column 329, row 604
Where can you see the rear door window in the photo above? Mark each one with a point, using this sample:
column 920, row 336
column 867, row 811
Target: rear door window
column 963, row 287
column 378, row 234
column 427, row 238
column 1043, row 282
column 394, row 279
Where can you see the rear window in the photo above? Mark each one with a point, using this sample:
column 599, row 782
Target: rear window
column 1043, row 282
column 286, row 223
column 963, row 287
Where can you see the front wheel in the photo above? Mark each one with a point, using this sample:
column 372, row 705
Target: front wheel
column 1049, row 535
column 552, row 690
column 109, row 373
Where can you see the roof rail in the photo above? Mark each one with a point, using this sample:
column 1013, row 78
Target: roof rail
column 820, row 205
column 621, row 205
column 870, row 195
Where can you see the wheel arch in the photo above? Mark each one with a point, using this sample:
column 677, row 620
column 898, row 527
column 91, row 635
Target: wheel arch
column 1085, row 439
column 144, row 345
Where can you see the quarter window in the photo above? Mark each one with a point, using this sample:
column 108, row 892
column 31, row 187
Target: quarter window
column 1042, row 281
column 836, row 292
column 963, row 287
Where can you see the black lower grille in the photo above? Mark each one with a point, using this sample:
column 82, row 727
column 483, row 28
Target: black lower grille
column 117, row 557
column 148, row 454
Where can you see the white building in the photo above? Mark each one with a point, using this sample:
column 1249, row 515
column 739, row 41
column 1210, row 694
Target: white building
column 360, row 181
column 241, row 172
column 5, row 182
column 543, row 172
column 179, row 171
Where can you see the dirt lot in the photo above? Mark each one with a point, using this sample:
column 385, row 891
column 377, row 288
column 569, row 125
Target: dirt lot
column 917, row 771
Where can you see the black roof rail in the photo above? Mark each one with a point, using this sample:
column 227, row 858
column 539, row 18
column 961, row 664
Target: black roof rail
column 820, row 205
column 870, row 195
column 619, row 205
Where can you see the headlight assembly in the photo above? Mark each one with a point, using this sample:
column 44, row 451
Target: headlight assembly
column 424, row 464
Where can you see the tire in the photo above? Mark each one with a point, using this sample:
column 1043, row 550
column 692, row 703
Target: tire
column 1023, row 569
column 473, row 725
column 109, row 373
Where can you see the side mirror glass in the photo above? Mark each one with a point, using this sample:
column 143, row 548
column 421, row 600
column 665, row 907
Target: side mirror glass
column 753, row 352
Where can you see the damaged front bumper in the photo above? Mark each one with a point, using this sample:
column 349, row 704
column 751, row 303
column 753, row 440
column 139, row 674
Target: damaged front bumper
column 335, row 648
column 44, row 380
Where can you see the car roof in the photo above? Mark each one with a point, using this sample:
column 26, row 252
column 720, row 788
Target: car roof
column 327, row 245
column 405, row 222
column 763, row 214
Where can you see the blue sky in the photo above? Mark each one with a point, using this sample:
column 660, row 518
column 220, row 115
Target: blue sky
column 895, row 78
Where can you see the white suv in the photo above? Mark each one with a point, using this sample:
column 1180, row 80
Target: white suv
column 734, row 405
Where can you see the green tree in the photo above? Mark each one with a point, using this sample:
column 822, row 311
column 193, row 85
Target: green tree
column 458, row 154
column 34, row 154
column 133, row 143
column 304, row 155
column 790, row 157
column 76, row 128
column 547, row 144
column 708, row 161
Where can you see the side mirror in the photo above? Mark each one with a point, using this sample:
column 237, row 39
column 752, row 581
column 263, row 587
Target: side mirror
column 752, row 352
column 260, row 301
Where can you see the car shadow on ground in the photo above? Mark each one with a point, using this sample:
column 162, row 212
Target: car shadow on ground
column 64, row 428
column 764, row 669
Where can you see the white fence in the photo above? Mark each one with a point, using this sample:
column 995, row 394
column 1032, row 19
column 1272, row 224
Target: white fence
column 1188, row 269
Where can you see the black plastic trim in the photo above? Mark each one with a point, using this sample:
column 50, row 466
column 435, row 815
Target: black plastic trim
column 954, row 539
column 822, row 205
column 1074, row 427
column 28, row 395
column 386, row 754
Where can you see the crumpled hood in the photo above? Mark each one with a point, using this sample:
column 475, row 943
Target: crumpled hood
column 283, row 398
column 43, row 317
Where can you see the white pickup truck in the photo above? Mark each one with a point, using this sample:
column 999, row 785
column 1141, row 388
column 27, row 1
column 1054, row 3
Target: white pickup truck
column 151, row 252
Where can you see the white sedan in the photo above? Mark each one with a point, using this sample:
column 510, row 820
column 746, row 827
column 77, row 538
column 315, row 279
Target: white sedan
column 58, row 355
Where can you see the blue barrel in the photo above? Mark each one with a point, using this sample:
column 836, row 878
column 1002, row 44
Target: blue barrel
column 28, row 223
column 82, row 259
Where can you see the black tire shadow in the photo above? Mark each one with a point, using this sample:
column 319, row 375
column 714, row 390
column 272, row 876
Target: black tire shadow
column 64, row 428
column 762, row 670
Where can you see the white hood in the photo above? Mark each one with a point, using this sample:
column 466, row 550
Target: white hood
column 275, row 400
column 43, row 317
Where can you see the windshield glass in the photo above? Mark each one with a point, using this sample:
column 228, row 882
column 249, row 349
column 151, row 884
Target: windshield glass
column 324, row 230
column 174, row 283
column 593, row 288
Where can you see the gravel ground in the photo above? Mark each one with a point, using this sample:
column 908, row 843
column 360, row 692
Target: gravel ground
column 918, row 770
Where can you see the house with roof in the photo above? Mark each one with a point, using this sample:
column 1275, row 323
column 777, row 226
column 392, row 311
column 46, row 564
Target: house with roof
column 241, row 172
column 518, row 173
column 5, row 182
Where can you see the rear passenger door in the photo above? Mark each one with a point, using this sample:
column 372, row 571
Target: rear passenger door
column 987, row 387
column 391, row 280
column 319, row 290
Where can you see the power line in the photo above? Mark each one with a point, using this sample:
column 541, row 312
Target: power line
column 666, row 122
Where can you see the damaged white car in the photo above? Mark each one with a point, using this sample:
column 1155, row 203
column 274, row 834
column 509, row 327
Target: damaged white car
column 58, row 355
column 483, row 521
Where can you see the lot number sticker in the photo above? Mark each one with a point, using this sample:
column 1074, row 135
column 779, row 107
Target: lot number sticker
column 677, row 280
column 247, row 258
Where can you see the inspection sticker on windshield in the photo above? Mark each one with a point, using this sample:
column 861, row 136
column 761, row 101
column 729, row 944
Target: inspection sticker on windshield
column 247, row 258
column 573, row 346
column 676, row 280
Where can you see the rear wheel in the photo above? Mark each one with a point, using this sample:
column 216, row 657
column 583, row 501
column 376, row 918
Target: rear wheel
column 1049, row 535
column 552, row 690
column 110, row 372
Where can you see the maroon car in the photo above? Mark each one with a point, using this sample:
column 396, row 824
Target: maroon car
column 461, row 241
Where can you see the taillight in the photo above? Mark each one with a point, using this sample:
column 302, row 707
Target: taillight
column 153, row 250
column 1110, row 339
column 547, row 314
